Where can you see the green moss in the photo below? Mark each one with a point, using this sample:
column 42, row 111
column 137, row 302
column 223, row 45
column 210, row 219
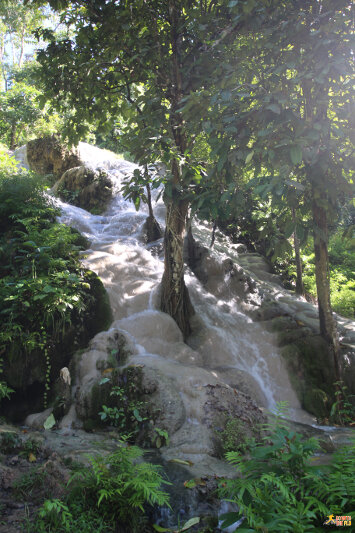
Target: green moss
column 311, row 373
column 100, row 314
column 316, row 401
column 234, row 435
column 280, row 324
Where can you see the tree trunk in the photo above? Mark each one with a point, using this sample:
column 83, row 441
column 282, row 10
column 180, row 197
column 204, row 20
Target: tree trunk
column 13, row 137
column 22, row 49
column 2, row 77
column 296, row 244
column 175, row 298
column 327, row 323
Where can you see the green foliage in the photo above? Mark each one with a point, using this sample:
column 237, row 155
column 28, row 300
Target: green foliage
column 19, row 111
column 120, row 485
column 342, row 275
column 30, row 447
column 233, row 437
column 112, row 493
column 306, row 493
column 43, row 289
column 8, row 164
column 160, row 438
column 32, row 484
column 9, row 442
column 56, row 516
column 343, row 409
column 127, row 417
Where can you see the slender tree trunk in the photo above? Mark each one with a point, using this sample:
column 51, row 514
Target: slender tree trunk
column 2, row 77
column 327, row 323
column 13, row 137
column 175, row 298
column 22, row 48
column 153, row 229
column 296, row 244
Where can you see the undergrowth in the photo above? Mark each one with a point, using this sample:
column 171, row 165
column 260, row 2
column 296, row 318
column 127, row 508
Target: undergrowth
column 44, row 290
column 113, row 494
column 282, row 488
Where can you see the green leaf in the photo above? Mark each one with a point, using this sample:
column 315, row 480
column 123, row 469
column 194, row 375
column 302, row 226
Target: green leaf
column 296, row 155
column 181, row 462
column 229, row 519
column 190, row 523
column 249, row 157
column 49, row 422
column 190, row 484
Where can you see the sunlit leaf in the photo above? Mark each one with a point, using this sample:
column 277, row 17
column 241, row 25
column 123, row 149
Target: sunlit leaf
column 49, row 422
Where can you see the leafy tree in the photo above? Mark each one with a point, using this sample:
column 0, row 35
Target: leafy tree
column 151, row 55
column 17, row 22
column 18, row 111
column 290, row 118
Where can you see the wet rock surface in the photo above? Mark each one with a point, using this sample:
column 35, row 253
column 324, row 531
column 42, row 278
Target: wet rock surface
column 293, row 322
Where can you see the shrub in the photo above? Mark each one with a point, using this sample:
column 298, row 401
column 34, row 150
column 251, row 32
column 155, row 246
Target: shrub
column 110, row 495
column 280, row 490
column 44, row 291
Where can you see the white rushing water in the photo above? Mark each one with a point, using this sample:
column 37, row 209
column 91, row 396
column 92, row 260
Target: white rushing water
column 226, row 346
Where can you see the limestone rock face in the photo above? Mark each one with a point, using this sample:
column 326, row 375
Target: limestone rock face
column 48, row 155
column 84, row 187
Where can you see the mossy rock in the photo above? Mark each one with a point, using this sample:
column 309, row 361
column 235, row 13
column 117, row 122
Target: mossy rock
column 281, row 324
column 289, row 336
column 311, row 373
column 152, row 229
column 86, row 188
column 26, row 373
column 80, row 241
column 144, row 389
column 233, row 417
column 49, row 155
column 316, row 401
column 99, row 315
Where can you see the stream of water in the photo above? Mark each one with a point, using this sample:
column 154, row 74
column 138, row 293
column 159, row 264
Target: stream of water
column 224, row 338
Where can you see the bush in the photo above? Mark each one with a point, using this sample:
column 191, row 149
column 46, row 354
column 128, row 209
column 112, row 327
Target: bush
column 44, row 291
column 280, row 490
column 112, row 495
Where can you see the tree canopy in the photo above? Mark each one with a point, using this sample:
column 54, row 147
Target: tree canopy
column 240, row 98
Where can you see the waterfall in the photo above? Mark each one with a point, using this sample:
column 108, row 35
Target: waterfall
column 226, row 346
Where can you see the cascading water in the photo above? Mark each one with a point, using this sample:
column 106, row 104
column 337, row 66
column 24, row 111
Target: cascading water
column 225, row 341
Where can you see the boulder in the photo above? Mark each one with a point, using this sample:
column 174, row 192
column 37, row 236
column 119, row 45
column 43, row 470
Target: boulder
column 233, row 417
column 48, row 155
column 152, row 229
column 36, row 420
column 85, row 187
